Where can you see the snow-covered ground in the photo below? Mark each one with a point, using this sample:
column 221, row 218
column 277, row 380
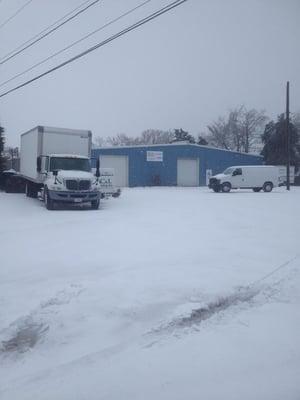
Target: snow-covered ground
column 164, row 293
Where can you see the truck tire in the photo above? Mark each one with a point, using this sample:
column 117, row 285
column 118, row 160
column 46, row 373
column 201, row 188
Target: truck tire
column 226, row 187
column 31, row 190
column 49, row 203
column 268, row 186
column 256, row 189
column 27, row 190
column 95, row 204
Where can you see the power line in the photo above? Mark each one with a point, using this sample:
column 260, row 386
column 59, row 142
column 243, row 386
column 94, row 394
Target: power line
column 44, row 30
column 49, row 32
column 74, row 43
column 132, row 27
column 15, row 14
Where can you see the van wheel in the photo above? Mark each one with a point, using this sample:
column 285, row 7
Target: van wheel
column 268, row 186
column 256, row 189
column 95, row 204
column 226, row 187
column 49, row 203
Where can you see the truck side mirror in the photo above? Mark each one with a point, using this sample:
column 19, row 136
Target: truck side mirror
column 98, row 168
column 39, row 164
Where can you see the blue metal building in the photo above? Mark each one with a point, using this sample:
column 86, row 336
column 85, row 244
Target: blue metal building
column 178, row 164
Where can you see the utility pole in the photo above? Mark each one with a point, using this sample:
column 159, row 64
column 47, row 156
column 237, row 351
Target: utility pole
column 288, row 158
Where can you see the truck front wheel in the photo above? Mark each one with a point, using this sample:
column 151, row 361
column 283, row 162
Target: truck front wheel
column 27, row 190
column 49, row 203
column 31, row 190
column 95, row 204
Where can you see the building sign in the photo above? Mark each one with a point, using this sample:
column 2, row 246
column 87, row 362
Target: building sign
column 155, row 156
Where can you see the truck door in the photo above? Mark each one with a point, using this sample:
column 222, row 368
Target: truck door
column 237, row 178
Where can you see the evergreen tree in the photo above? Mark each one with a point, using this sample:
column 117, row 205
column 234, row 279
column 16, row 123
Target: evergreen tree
column 275, row 143
column 182, row 136
column 2, row 159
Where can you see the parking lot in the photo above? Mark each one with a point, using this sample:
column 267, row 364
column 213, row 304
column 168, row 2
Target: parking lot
column 163, row 293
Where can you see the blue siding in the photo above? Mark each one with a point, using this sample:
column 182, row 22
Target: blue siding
column 142, row 172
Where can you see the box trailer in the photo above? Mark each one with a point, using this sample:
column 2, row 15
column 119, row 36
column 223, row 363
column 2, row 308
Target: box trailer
column 56, row 162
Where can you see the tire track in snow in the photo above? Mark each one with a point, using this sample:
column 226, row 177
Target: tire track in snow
column 25, row 332
column 253, row 294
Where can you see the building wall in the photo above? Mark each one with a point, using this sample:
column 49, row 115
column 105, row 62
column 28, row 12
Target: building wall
column 143, row 173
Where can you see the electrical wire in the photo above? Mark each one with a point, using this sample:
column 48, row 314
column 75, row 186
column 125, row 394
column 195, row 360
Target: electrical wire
column 15, row 14
column 44, row 30
column 74, row 43
column 123, row 32
column 49, row 32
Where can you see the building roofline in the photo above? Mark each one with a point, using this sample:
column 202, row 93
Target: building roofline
column 173, row 144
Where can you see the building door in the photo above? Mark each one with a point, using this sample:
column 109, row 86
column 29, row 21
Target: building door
column 120, row 166
column 188, row 172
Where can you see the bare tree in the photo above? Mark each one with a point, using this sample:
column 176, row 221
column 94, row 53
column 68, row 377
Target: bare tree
column 218, row 135
column 149, row 136
column 240, row 131
column 155, row 136
column 122, row 140
column 99, row 141
column 252, row 124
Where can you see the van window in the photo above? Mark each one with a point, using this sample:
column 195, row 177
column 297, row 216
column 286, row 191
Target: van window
column 228, row 171
column 237, row 171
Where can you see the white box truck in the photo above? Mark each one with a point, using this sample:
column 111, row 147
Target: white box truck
column 56, row 162
column 255, row 177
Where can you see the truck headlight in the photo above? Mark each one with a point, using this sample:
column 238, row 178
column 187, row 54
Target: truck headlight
column 55, row 187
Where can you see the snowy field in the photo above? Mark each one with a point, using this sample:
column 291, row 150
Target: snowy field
column 164, row 293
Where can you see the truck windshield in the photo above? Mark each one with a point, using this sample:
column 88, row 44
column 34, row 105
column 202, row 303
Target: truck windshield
column 70, row 163
column 228, row 171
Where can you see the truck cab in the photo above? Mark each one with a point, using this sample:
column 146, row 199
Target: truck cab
column 67, row 178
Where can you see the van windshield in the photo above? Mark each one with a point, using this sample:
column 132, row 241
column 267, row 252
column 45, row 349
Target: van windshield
column 70, row 163
column 229, row 171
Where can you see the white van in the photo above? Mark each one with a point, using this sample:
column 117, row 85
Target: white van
column 255, row 177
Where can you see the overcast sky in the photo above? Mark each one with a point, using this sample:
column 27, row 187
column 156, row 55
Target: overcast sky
column 182, row 70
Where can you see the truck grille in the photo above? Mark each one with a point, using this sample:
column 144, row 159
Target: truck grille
column 84, row 185
column 72, row 184
column 214, row 181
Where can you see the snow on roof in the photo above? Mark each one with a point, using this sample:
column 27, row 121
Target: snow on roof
column 174, row 144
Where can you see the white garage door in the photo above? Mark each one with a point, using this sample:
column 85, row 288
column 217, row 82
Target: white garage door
column 120, row 165
column 188, row 172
